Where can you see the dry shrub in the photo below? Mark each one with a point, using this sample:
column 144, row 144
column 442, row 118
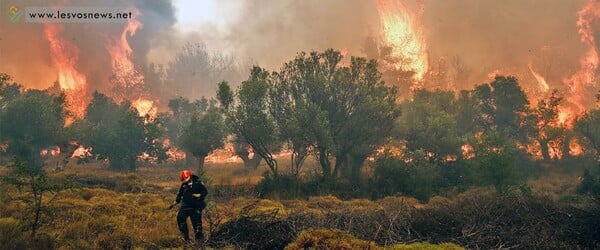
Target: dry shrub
column 257, row 207
column 114, row 241
column 394, row 203
column 77, row 230
column 329, row 202
column 329, row 239
column 438, row 201
column 253, row 232
column 14, row 208
column 362, row 205
column 129, row 183
column 10, row 234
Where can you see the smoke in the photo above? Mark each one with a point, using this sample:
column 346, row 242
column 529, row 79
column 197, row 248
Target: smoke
column 26, row 54
column 471, row 38
column 488, row 35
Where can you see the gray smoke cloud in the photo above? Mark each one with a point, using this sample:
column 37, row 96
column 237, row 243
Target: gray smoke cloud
column 474, row 37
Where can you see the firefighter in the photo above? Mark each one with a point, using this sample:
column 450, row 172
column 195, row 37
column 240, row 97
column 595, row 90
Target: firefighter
column 191, row 195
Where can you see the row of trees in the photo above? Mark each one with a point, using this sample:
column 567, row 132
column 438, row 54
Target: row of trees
column 315, row 105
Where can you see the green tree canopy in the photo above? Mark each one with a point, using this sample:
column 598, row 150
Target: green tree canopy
column 249, row 118
column 351, row 110
column 117, row 133
column 429, row 123
column 588, row 126
column 204, row 133
column 32, row 121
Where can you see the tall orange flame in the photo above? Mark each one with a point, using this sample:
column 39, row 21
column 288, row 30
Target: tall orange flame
column 540, row 79
column 65, row 56
column 130, row 81
column 120, row 51
column 145, row 107
column 585, row 77
column 402, row 30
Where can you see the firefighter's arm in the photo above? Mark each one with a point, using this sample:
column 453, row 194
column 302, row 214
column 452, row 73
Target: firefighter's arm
column 201, row 192
column 177, row 199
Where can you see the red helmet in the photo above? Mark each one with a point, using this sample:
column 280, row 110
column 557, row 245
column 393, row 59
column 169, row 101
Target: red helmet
column 185, row 175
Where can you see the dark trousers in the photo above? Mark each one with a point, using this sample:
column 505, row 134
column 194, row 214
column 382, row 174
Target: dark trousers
column 196, row 217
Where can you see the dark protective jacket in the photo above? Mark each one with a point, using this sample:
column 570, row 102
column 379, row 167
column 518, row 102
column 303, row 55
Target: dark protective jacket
column 193, row 186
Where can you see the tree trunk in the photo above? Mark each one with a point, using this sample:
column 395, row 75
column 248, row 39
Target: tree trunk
column 189, row 160
column 37, row 200
column 544, row 148
column 253, row 162
column 325, row 164
column 249, row 162
column 565, row 151
column 201, row 164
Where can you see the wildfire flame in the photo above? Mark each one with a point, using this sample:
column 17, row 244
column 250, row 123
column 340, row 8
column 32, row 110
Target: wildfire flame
column 585, row 77
column 540, row 79
column 65, row 56
column 402, row 30
column 130, row 82
column 127, row 80
column 145, row 107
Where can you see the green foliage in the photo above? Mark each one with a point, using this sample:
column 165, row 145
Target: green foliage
column 499, row 106
column 36, row 121
column 250, row 119
column 429, row 123
column 497, row 162
column 33, row 181
column 590, row 183
column 117, row 133
column 412, row 175
column 8, row 90
column 588, row 127
column 205, row 133
column 345, row 113
column 225, row 95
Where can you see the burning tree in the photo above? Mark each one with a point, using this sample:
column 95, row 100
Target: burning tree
column 117, row 133
column 546, row 127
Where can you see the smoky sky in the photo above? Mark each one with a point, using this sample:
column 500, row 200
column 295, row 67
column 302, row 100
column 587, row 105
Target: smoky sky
column 483, row 35
column 25, row 52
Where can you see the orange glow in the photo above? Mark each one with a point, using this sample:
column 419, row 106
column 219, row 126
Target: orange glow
column 82, row 152
column 467, row 151
column 575, row 149
column 493, row 74
column 120, row 52
column 225, row 155
column 565, row 117
column 145, row 107
column 65, row 56
column 402, row 30
column 540, row 79
column 585, row 77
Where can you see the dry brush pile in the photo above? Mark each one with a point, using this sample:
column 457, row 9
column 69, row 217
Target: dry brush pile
column 475, row 220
